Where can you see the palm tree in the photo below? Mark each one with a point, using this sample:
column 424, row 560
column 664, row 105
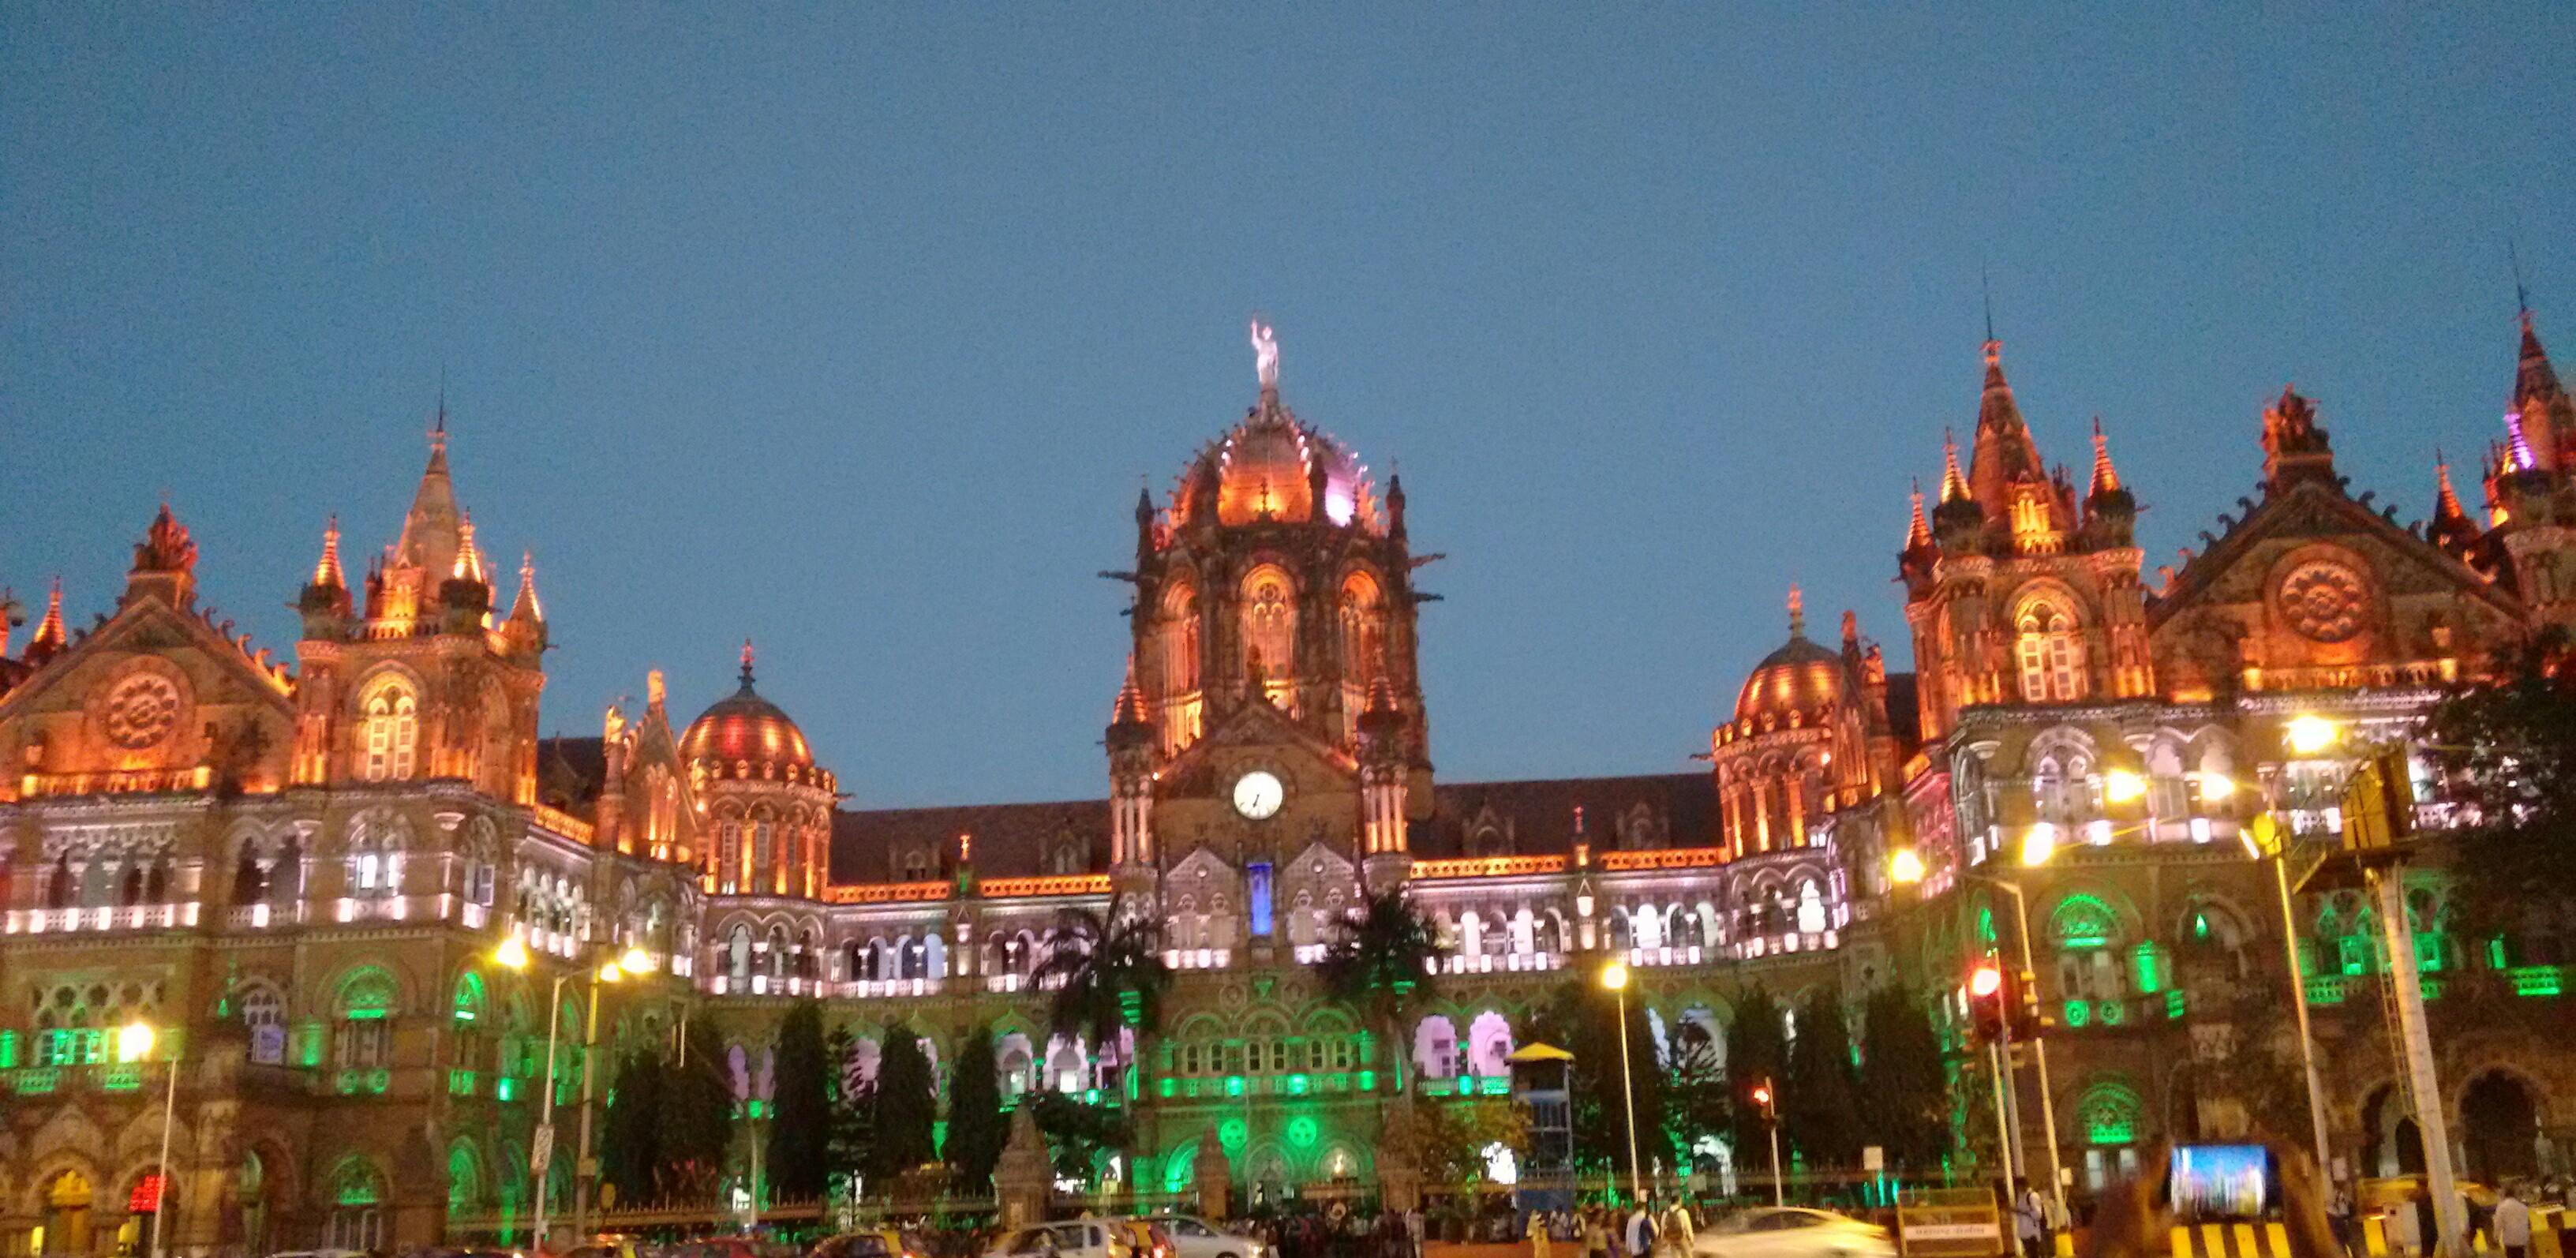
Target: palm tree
column 1107, row 975
column 1384, row 955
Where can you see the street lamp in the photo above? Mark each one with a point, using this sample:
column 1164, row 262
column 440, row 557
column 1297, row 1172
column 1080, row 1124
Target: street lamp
column 2307, row 733
column 513, row 954
column 133, row 1044
column 1615, row 977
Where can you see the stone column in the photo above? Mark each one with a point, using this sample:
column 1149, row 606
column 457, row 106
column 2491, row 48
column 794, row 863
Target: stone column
column 1213, row 1176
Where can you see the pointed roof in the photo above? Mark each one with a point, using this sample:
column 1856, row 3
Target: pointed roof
column 327, row 574
column 1954, row 483
column 431, row 530
column 2004, row 453
column 469, row 557
column 50, row 634
column 2450, row 525
column 2533, row 377
column 2105, row 477
column 1918, row 531
column 2541, row 421
column 525, row 607
column 1130, row 706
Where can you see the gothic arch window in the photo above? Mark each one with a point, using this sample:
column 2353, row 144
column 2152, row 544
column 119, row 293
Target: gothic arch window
column 729, row 855
column 2050, row 654
column 2088, row 936
column 1179, row 639
column 364, row 1038
column 389, row 732
column 1270, row 629
column 263, row 1015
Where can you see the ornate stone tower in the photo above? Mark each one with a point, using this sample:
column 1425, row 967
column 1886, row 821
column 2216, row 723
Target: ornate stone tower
column 1275, row 575
column 425, row 684
column 2013, row 595
column 768, row 804
column 2531, row 486
column 1809, row 734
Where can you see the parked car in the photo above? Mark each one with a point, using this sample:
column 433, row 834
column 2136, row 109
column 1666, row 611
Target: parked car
column 1193, row 1237
column 1081, row 1238
column 1146, row 1238
column 1792, row 1232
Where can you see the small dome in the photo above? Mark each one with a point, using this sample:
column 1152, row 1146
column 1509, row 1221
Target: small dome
column 746, row 728
column 1263, row 469
column 1802, row 677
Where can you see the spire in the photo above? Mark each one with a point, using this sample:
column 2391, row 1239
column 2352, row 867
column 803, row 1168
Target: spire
column 2004, row 454
column 1954, row 485
column 1918, row 531
column 1129, row 710
column 525, row 608
column 1797, row 612
column 469, row 558
column 2105, row 477
column 430, row 529
column 2446, row 500
column 746, row 666
column 327, row 574
column 2541, row 419
column 50, row 636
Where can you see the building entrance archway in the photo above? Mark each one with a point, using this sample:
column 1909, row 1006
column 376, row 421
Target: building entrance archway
column 2395, row 1145
column 2499, row 1128
column 66, row 1229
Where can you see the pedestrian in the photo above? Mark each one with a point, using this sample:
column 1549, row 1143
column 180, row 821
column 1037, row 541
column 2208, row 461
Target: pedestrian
column 2027, row 1220
column 1596, row 1237
column 2512, row 1222
column 2340, row 1221
column 1678, row 1231
column 1413, row 1228
column 1543, row 1246
column 1641, row 1229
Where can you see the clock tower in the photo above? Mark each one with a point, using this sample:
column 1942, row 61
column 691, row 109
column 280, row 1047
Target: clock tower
column 1272, row 716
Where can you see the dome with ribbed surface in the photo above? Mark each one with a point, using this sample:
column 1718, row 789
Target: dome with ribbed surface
column 1802, row 677
column 1270, row 467
column 746, row 729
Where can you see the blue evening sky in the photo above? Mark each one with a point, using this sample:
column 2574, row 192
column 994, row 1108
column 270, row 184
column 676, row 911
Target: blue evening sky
column 852, row 327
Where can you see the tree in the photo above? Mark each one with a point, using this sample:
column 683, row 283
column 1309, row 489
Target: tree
column 1078, row 1132
column 1382, row 957
column 1108, row 975
column 629, row 1151
column 798, row 1161
column 1583, row 1019
column 1698, row 1104
column 1450, row 1141
column 853, row 1106
column 906, row 1111
column 1904, row 1087
column 693, row 1128
column 2507, row 752
column 1757, row 1048
column 1818, row 1103
column 977, row 1127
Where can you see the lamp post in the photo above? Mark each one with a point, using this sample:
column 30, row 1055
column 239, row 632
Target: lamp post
column 1615, row 977
column 134, row 1043
column 513, row 955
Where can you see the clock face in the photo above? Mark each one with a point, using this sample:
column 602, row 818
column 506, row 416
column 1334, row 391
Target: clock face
column 1258, row 794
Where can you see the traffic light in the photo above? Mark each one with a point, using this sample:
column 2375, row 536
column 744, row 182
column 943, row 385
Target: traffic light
column 2023, row 993
column 1762, row 1099
column 1986, row 1000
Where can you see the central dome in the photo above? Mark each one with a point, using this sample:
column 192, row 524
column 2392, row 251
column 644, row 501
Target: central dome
column 1272, row 469
column 1799, row 684
column 746, row 729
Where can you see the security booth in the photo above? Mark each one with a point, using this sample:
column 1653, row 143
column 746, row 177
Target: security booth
column 1543, row 1085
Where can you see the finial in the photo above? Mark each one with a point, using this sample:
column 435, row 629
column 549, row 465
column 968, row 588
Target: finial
column 1954, row 483
column 746, row 663
column 1918, row 532
column 1851, row 627
column 438, row 426
column 2105, row 477
column 1986, row 283
column 2521, row 295
column 327, row 573
column 1265, row 355
column 1797, row 611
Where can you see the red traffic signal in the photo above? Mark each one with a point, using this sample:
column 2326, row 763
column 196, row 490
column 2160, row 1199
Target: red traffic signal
column 1761, row 1096
column 1986, row 1000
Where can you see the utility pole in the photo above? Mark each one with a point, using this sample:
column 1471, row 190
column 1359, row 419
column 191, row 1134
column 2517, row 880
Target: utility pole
column 2407, row 989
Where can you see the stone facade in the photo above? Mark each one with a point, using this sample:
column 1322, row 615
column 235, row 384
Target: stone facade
column 301, row 875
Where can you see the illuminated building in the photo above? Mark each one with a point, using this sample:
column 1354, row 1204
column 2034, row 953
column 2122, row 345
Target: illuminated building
column 305, row 871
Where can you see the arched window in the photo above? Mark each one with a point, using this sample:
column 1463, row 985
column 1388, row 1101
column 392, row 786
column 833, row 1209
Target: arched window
column 2088, row 935
column 729, row 856
column 2107, row 1118
column 1270, row 630
column 364, row 1038
column 263, row 1014
column 357, row 1205
column 2051, row 656
column 1180, row 639
column 390, row 737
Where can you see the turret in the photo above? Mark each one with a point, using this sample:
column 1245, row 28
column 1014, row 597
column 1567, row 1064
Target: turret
column 1958, row 523
column 2110, row 513
column 526, row 627
column 1384, row 823
column 50, row 637
column 2295, row 447
column 325, row 603
column 1131, row 787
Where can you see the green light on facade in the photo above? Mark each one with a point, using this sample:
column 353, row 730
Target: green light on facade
column 2150, row 969
column 1091, row 1096
column 2078, row 1013
column 505, row 1088
column 2199, row 925
column 2114, row 1012
column 2327, row 990
column 1297, row 1085
column 1498, row 1086
column 1302, row 1131
column 1368, row 1081
column 2537, row 980
column 1234, row 1085
column 1231, row 1133
column 2174, row 1004
column 8, row 1050
column 1170, row 1085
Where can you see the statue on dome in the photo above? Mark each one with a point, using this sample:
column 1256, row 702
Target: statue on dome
column 1265, row 353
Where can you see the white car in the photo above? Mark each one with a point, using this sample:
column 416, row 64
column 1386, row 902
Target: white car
column 1081, row 1238
column 1792, row 1232
column 1194, row 1237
